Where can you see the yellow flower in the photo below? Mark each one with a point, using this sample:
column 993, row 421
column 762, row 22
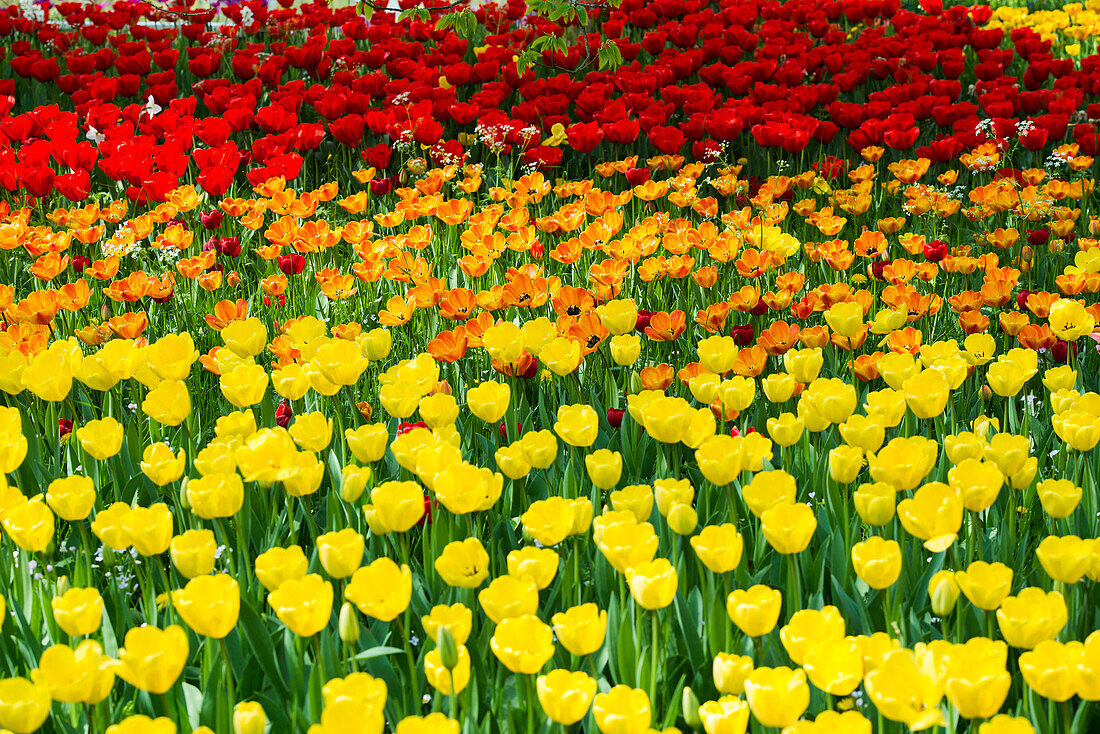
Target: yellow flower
column 278, row 565
column 565, row 697
column 652, row 583
column 457, row 619
column 463, row 563
column 24, row 706
column 381, row 590
column 523, row 644
column 538, row 564
column 209, row 605
column 101, row 438
column 719, row 547
column 169, row 402
column 835, row 666
column 368, row 443
column 303, row 604
column 581, row 629
column 577, row 425
column 777, row 696
column 395, row 507
column 1032, row 616
column 78, row 611
column 151, row 658
column 808, row 628
column 440, row 678
column 729, row 673
column 509, row 596
column 622, row 710
column 161, row 466
column 72, row 497
column 755, row 610
column 788, row 528
column 877, row 562
column 902, row 692
column 985, row 584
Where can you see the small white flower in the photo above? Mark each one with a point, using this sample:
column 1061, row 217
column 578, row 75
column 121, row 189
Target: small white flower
column 94, row 135
column 151, row 108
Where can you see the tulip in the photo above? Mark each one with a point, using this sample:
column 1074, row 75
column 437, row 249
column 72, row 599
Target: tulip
column 786, row 430
column 985, row 584
column 636, row 499
column 1031, row 616
column 1065, row 559
column 548, row 521
column 1059, row 497
column 652, row 583
column 779, row 387
column 339, row 362
column 160, row 465
column 83, row 675
column 523, row 644
column 171, row 356
column 376, row 344
column 727, row 714
column 152, row 659
column 845, row 463
column 943, row 592
column 845, row 318
column 618, row 316
column 312, row 431
column 512, row 461
column 622, row 710
column 877, row 562
column 975, row 679
column 463, row 564
column 341, row 552
column 803, row 365
column 875, row 503
column 541, row 448
column 150, row 529
column 395, row 507
column 381, row 590
column 1069, row 320
column 215, row 495
column 1005, row 724
column 78, row 612
column 457, row 619
column 934, row 514
column 755, row 610
column 719, row 459
column 368, row 443
column 927, row 393
column 209, row 605
column 24, row 706
column 903, row 692
column 628, row 544
column 670, row 492
column 729, row 673
column 71, row 498
column 277, row 565
column 509, row 596
column 538, row 564
column 808, row 628
column 303, row 604
column 101, row 438
column 604, row 468
column 777, row 696
column 864, row 432
column 561, row 356
column 577, row 425
column 142, row 724
column 169, row 402
column 788, row 528
column 1008, row 452
column 581, row 629
column 448, row 681
column 836, row 666
column 904, row 462
column 565, row 697
column 719, row 547
column 193, row 552
column 625, row 349
column 246, row 338
column 249, row 718
column 667, row 419
column 1051, row 669
column 489, row 401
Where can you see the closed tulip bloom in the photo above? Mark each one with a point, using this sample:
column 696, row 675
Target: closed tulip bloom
column 904, row 462
column 727, row 715
column 438, row 410
column 304, row 604
column 836, row 666
column 24, row 706
column 1051, row 669
column 395, row 507
column 625, row 349
column 541, row 448
column 503, row 342
column 169, row 402
column 523, row 644
column 456, row 618
column 312, row 431
column 729, row 673
column 845, row 463
column 565, row 697
column 653, row 583
column 249, row 718
column 548, row 521
column 171, row 356
column 341, row 552
column 381, row 590
column 604, row 468
column 1059, row 497
column 302, row 474
column 963, row 446
column 845, row 318
column 209, row 605
column 927, row 393
column 864, row 432
column 465, row 488
column 353, row 481
column 777, row 696
column 985, row 584
column 193, row 552
column 152, row 659
column 142, row 724
column 1005, row 724
column 436, row 723
column 622, row 710
column 902, row 692
column 875, row 503
column 561, row 356
column 71, row 498
column 368, row 443
column 755, row 610
column 291, row 381
column 278, row 565
column 719, row 459
column 719, row 547
column 636, row 499
column 628, row 544
column 161, row 465
column 934, row 514
column 975, row 680
column 101, row 438
column 83, row 675
column 78, row 611
column 832, row 722
column 682, row 519
column 512, row 461
column 618, row 316
column 943, row 592
column 779, row 387
column 246, row 338
column 671, row 492
column 264, row 455
column 509, row 596
column 667, row 419
column 1078, row 429
column 833, row 398
column 788, row 528
column 717, row 353
column 49, row 376
column 1006, row 378
column 150, row 529
column 769, row 489
column 1032, row 616
column 463, row 563
column 215, row 495
column 111, row 528
column 877, row 562
column 1065, row 558
column 538, row 564
column 886, row 405
column 804, row 365
column 489, row 401
column 577, row 425
column 339, row 361
column 444, row 680
column 977, row 482
column 808, row 628
column 399, row 399
column 581, row 629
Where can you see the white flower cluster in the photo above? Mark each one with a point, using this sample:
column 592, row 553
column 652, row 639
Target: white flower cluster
column 32, row 11
column 1023, row 127
column 246, row 16
column 493, row 136
column 984, row 126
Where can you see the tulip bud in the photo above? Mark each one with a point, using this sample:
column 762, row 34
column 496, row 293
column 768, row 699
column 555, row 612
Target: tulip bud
column 249, row 718
column 944, row 592
column 690, row 704
column 185, row 503
column 63, row 585
column 105, row 311
column 349, row 624
column 365, row 410
column 448, row 650
column 683, row 519
column 233, row 279
column 635, row 383
column 986, row 393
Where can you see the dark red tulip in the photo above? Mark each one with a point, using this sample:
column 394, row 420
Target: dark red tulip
column 64, row 427
column 283, row 414
column 615, row 417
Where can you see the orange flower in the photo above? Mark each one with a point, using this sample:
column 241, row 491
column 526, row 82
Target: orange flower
column 133, row 287
column 1037, row 337
column 778, row 338
column 588, row 330
column 193, row 267
column 656, row 378
column 74, row 296
column 865, row 366
column 974, row 322
column 103, row 269
column 1039, row 303
column 520, row 367
column 870, row 244
column 39, row 307
column 1013, row 321
column 211, row 281
column 49, row 266
column 572, row 301
column 274, row 285
column 750, row 361
column 457, row 304
column 449, row 346
column 814, row 337
column 163, row 287
column 128, row 325
column 523, row 291
column 664, row 327
column 966, row 301
column 398, row 311
column 905, row 340
column 851, row 343
column 226, row 312
column 713, row 317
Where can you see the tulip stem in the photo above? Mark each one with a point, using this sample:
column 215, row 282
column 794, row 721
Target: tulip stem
column 655, row 638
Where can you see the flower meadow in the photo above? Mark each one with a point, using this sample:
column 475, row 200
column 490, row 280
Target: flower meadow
column 672, row 366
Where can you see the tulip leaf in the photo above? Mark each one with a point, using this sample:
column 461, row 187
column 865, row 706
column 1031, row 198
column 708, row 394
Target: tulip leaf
column 378, row 652
column 193, row 699
column 260, row 642
column 689, row 618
